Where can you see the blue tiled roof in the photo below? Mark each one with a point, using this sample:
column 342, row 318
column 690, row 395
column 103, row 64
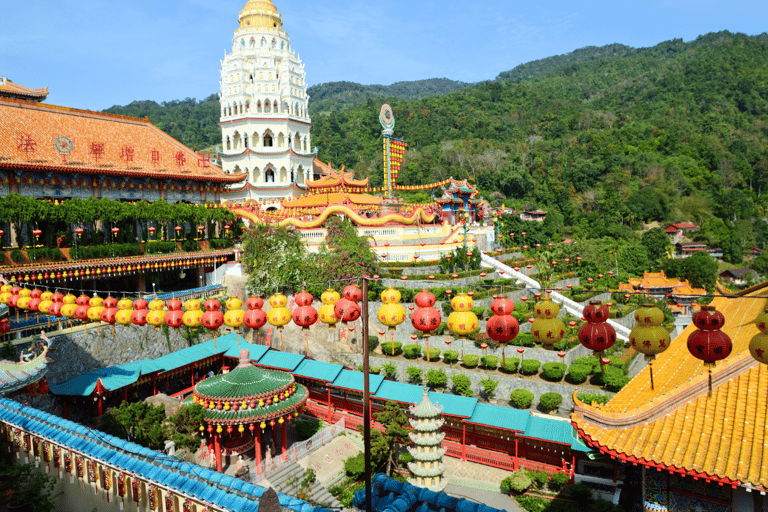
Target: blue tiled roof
column 387, row 494
column 400, row 392
column 352, row 380
column 283, row 360
column 551, row 429
column 256, row 351
column 112, row 378
column 183, row 477
column 318, row 370
column 197, row 352
column 454, row 405
column 500, row 417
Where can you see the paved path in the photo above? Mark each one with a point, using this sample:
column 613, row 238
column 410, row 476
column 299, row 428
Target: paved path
column 492, row 499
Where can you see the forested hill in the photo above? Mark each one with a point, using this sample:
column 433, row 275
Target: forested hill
column 333, row 96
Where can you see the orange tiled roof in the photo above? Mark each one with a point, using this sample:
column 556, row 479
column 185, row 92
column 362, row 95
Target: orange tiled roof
column 334, row 178
column 677, row 426
column 13, row 90
column 324, row 200
column 651, row 280
column 47, row 124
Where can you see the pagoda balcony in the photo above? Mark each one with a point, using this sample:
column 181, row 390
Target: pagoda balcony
column 427, row 456
column 426, row 472
column 430, row 426
column 427, row 440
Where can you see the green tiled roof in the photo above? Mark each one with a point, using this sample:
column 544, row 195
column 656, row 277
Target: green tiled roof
column 454, row 405
column 426, row 409
column 349, row 379
column 318, row 370
column 265, row 413
column 243, row 383
column 501, row 417
column 283, row 360
column 400, row 392
column 551, row 429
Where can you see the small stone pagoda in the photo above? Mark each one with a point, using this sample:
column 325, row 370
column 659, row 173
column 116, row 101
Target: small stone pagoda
column 240, row 405
column 427, row 468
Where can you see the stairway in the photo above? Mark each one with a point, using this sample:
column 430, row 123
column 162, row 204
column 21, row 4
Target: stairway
column 287, row 480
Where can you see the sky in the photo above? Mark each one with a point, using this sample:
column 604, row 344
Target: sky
column 93, row 54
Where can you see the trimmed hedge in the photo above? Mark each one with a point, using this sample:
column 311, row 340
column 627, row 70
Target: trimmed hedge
column 491, row 362
column 470, row 360
column 521, row 398
column 414, row 374
column 554, row 371
column 160, row 247
column 578, row 373
column 412, row 351
column 434, row 353
column 511, row 365
column 450, row 356
column 436, row 378
column 588, row 398
column 550, row 401
column 386, row 348
column 220, row 243
column 518, row 482
column 462, row 385
column 530, row 366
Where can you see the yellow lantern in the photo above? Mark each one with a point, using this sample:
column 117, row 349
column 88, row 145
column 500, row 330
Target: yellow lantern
column 5, row 297
column 462, row 321
column 94, row 313
column 156, row 318
column 325, row 313
column 125, row 304
column 156, row 305
column 391, row 313
column 95, row 301
column 68, row 310
column 44, row 305
column 547, row 329
column 192, row 318
column 279, row 315
column 69, row 299
column 23, row 302
column 25, row 292
column 123, row 316
column 234, row 303
column 241, row 429
column 758, row 346
column 193, row 305
column 263, row 425
column 6, row 288
column 218, row 429
column 649, row 337
column 46, row 296
column 234, row 318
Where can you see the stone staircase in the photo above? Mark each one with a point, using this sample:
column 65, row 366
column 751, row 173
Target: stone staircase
column 288, row 481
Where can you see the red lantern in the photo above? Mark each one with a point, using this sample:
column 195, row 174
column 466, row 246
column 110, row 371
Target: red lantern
column 108, row 315
column 213, row 319
column 424, row 299
column 346, row 310
column 173, row 305
column 254, row 302
column 212, row 305
column 255, row 318
column 597, row 335
column 596, row 312
column 174, row 318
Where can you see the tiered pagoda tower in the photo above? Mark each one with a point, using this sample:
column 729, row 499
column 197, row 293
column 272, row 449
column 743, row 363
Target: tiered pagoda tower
column 427, row 468
column 265, row 121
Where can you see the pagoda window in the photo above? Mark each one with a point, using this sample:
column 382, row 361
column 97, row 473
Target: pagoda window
column 267, row 140
column 263, row 41
column 236, row 141
column 305, row 144
column 258, row 105
column 275, row 104
column 267, row 107
column 300, row 176
column 247, row 106
column 293, row 175
column 253, row 42
column 269, row 177
column 297, row 142
column 242, row 43
column 282, row 45
column 274, row 43
column 245, row 142
column 280, row 140
column 284, row 108
column 255, row 139
column 229, row 145
column 283, row 175
column 256, row 174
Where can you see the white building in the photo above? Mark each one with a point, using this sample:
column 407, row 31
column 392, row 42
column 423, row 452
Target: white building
column 265, row 121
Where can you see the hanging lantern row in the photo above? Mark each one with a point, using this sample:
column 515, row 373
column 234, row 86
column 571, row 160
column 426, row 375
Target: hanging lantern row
column 256, row 402
column 649, row 337
column 118, row 267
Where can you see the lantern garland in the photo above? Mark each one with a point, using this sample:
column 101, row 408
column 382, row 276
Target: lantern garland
column 255, row 317
column 649, row 337
column 463, row 321
column 547, row 329
column 502, row 326
column 305, row 315
column 708, row 342
column 426, row 318
column 391, row 313
column 279, row 316
column 597, row 334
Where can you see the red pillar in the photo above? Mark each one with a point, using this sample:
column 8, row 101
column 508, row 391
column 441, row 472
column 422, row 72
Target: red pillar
column 284, row 440
column 517, row 459
column 329, row 406
column 154, row 384
column 257, row 449
column 101, row 404
column 463, row 441
column 217, row 446
column 125, row 394
column 192, row 375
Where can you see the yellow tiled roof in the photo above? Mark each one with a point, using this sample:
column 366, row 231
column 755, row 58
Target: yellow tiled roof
column 323, row 200
column 677, row 426
column 14, row 89
column 331, row 177
column 63, row 140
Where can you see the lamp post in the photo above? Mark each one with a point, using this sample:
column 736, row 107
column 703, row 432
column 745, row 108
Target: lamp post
column 78, row 232
column 466, row 228
column 115, row 231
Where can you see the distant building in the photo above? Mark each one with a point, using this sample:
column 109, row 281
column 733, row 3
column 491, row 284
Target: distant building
column 736, row 276
column 685, row 249
column 678, row 230
column 534, row 215
column 659, row 286
column 9, row 89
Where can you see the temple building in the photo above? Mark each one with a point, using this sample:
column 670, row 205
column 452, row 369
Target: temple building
column 461, row 202
column 265, row 122
column 681, row 446
column 427, row 468
column 9, row 89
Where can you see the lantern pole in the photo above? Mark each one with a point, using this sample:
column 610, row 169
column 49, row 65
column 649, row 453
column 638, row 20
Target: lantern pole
column 366, row 402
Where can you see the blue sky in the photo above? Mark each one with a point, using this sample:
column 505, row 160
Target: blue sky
column 93, row 54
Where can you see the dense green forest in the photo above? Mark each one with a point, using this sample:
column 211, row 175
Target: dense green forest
column 606, row 138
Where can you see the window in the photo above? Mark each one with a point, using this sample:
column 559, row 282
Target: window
column 270, row 176
column 268, row 141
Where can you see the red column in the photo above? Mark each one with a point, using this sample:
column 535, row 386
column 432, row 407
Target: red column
column 217, row 446
column 192, row 374
column 101, row 404
column 257, row 449
column 125, row 394
column 329, row 405
column 517, row 459
column 154, row 384
column 284, row 440
column 573, row 467
column 463, row 441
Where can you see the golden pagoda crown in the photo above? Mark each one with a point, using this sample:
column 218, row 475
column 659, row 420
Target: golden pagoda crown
column 259, row 14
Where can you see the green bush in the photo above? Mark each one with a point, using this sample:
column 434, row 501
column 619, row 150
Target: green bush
column 550, row 401
column 189, row 246
column 558, row 480
column 373, row 342
column 307, row 428
column 541, row 478
column 489, row 386
column 160, row 247
column 524, row 339
column 578, row 373
column 450, row 356
column 55, row 254
column 534, row 503
column 440, row 329
column 580, row 493
column 375, row 370
column 614, row 379
column 220, row 243
column 470, row 360
column 390, row 370
column 518, row 482
column 597, row 398
column 412, row 351
column 434, row 354
column 592, row 362
column 386, row 348
column 355, row 466
column 414, row 374
column 17, row 255
column 462, row 385
column 554, row 371
column 479, row 311
column 490, row 362
column 521, row 398
column 511, row 365
column 530, row 366
column 436, row 378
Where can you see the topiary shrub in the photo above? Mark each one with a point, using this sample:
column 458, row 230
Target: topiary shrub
column 462, row 385
column 614, row 379
column 373, row 342
column 355, row 466
column 530, row 366
column 511, row 365
column 589, row 398
column 450, row 356
column 489, row 387
column 390, row 370
column 524, row 339
column 592, row 362
column 436, row 378
column 516, row 483
column 375, row 370
column 479, row 311
column 412, row 351
column 470, row 360
column 578, row 373
column 554, row 371
column 521, row 398
column 414, row 374
column 386, row 348
column 434, row 353
column 558, row 480
column 490, row 362
column 550, row 401
column 17, row 255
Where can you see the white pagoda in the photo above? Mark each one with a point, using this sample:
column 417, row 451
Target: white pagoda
column 265, row 122
column 427, row 468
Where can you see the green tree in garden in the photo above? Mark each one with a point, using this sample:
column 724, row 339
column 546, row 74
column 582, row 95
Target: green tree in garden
column 656, row 242
column 396, row 433
column 700, row 269
column 274, row 258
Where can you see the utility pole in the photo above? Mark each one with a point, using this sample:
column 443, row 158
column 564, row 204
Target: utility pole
column 366, row 402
